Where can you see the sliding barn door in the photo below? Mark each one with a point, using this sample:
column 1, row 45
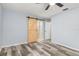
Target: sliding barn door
column 32, row 30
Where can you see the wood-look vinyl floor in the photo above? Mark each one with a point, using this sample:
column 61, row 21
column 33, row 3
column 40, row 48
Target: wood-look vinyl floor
column 38, row 49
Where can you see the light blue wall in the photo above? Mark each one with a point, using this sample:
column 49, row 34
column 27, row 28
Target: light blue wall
column 65, row 28
column 0, row 24
column 14, row 28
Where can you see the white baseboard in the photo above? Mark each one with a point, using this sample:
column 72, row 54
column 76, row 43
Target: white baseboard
column 66, row 46
column 13, row 44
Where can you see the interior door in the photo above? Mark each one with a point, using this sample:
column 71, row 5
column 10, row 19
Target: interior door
column 32, row 30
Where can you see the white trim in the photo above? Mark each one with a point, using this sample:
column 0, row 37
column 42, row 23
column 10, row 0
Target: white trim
column 66, row 46
column 12, row 45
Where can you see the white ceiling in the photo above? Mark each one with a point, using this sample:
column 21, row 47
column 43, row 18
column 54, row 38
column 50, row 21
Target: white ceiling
column 38, row 10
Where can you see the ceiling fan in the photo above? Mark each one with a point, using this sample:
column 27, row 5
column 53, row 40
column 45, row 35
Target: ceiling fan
column 49, row 5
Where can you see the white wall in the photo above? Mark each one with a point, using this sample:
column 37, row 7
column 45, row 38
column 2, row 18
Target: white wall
column 65, row 28
column 0, row 24
column 14, row 28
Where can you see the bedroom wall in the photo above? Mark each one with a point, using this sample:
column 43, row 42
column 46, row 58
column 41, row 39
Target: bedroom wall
column 65, row 28
column 0, row 24
column 14, row 28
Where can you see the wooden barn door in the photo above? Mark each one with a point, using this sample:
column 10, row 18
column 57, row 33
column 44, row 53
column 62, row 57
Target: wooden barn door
column 32, row 30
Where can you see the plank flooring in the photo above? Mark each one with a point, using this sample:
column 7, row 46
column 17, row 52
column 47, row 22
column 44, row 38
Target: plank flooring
column 38, row 49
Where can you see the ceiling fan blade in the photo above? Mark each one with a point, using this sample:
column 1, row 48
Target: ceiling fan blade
column 47, row 7
column 59, row 4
